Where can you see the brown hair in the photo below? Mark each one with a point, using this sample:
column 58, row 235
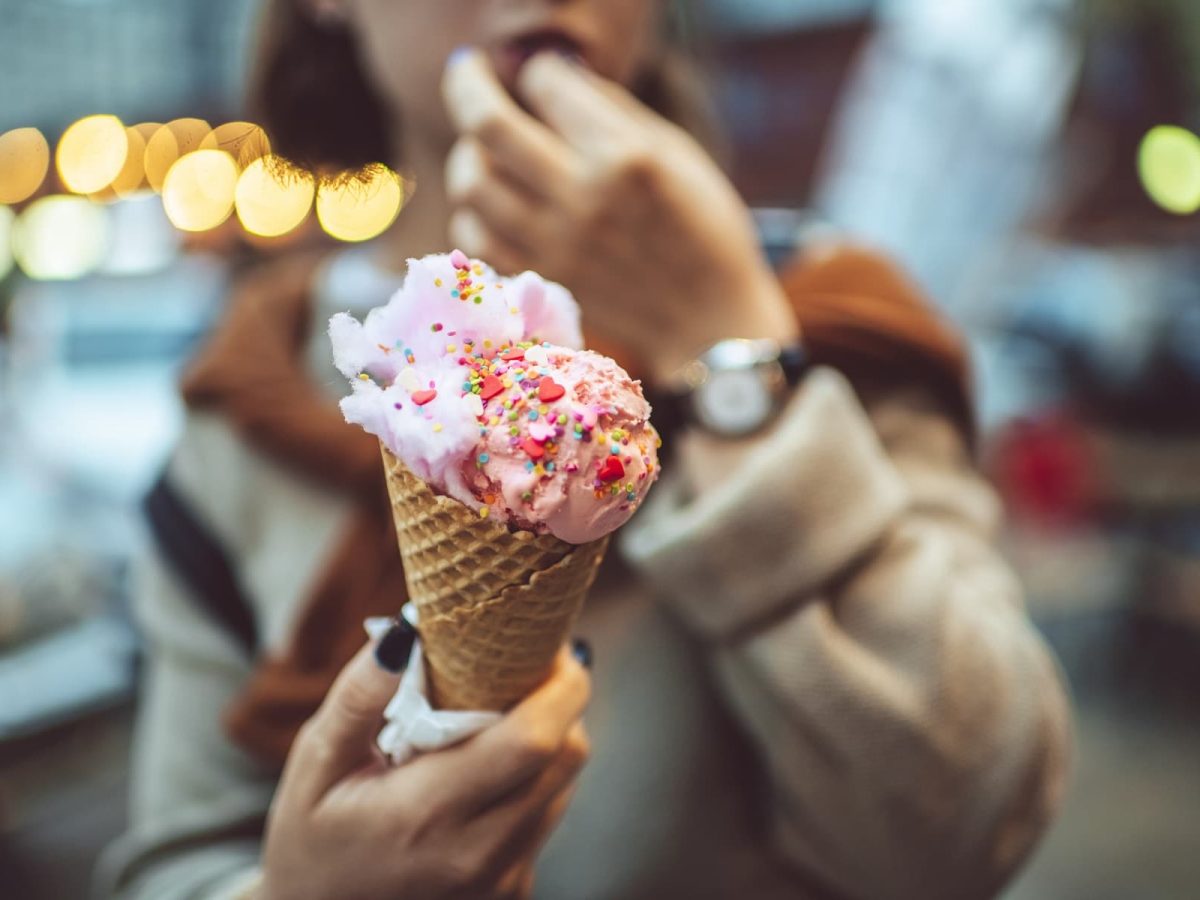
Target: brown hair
column 310, row 91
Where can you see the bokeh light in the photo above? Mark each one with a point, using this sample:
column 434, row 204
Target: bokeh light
column 273, row 198
column 24, row 161
column 1169, row 166
column 133, row 174
column 198, row 191
column 172, row 141
column 244, row 141
column 60, row 237
column 360, row 208
column 91, row 153
column 7, row 217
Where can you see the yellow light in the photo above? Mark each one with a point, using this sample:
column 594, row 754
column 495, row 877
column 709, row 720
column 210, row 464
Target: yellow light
column 198, row 190
column 244, row 141
column 24, row 161
column 172, row 141
column 1169, row 166
column 7, row 217
column 91, row 153
column 60, row 237
column 147, row 130
column 133, row 173
column 358, row 210
column 273, row 198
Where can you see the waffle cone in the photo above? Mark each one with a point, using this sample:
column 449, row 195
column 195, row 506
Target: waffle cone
column 495, row 605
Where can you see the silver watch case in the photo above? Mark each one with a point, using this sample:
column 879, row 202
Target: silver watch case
column 736, row 387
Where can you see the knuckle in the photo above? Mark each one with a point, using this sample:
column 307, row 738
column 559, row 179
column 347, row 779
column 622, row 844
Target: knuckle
column 578, row 749
column 578, row 681
column 471, row 193
column 490, row 126
column 357, row 700
column 536, row 747
column 307, row 732
column 312, row 741
column 632, row 167
column 459, row 873
column 470, row 869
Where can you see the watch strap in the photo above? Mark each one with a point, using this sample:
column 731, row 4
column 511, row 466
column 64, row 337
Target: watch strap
column 793, row 359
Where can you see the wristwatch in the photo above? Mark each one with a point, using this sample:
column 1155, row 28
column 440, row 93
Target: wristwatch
column 735, row 388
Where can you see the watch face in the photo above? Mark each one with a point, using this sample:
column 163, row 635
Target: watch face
column 733, row 402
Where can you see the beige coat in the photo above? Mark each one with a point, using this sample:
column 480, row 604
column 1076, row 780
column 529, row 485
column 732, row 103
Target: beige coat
column 814, row 676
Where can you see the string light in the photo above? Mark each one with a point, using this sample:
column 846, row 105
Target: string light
column 204, row 174
column 244, row 141
column 1169, row 167
column 24, row 161
column 273, row 198
column 91, row 153
column 170, row 143
column 7, row 217
column 60, row 237
column 133, row 174
column 198, row 190
column 358, row 209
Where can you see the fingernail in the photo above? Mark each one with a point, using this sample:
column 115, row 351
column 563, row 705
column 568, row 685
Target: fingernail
column 393, row 649
column 458, row 54
column 582, row 651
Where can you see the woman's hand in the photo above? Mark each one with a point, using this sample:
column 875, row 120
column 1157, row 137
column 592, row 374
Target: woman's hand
column 626, row 209
column 465, row 822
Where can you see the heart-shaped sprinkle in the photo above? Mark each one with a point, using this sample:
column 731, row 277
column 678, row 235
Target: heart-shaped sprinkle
column 533, row 448
column 550, row 390
column 422, row 397
column 611, row 470
column 490, row 387
column 512, row 353
column 459, row 260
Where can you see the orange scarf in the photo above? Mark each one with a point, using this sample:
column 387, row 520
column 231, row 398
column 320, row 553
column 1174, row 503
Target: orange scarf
column 856, row 312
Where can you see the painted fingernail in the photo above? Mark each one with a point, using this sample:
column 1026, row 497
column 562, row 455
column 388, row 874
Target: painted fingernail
column 393, row 649
column 458, row 54
column 582, row 651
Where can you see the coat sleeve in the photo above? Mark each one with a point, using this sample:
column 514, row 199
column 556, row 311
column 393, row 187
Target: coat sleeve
column 197, row 802
column 870, row 640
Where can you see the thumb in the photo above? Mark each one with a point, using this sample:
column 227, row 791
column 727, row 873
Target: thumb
column 339, row 738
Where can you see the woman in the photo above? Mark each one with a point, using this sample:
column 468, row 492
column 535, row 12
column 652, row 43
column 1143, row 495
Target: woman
column 814, row 676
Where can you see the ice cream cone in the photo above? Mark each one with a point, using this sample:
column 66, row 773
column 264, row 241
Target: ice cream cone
column 495, row 605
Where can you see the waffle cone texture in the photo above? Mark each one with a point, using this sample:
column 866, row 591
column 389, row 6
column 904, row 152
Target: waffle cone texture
column 495, row 605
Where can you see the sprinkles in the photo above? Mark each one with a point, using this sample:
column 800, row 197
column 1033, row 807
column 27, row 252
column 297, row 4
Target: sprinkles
column 520, row 405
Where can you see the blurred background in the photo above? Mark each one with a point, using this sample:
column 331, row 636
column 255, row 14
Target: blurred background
column 1031, row 162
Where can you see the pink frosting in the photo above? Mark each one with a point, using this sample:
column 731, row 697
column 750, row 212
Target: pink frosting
column 598, row 427
column 477, row 384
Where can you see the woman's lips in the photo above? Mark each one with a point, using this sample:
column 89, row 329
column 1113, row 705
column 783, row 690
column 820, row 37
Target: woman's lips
column 511, row 55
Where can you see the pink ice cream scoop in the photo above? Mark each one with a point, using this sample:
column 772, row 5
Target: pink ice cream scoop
column 566, row 442
column 477, row 384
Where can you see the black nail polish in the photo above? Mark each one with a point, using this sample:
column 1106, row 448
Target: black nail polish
column 393, row 648
column 582, row 651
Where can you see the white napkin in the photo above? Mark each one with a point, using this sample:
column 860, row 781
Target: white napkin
column 413, row 726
